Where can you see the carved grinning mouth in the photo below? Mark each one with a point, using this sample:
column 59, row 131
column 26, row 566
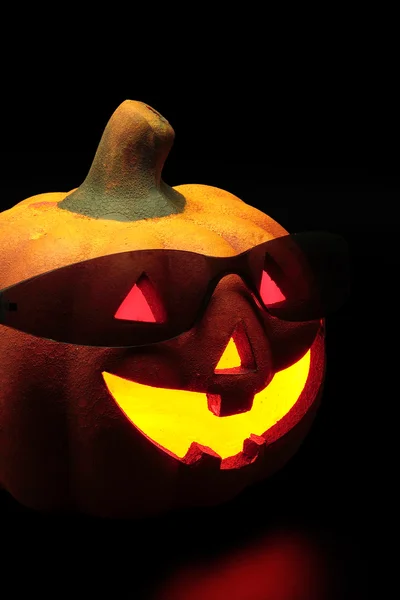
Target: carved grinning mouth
column 181, row 424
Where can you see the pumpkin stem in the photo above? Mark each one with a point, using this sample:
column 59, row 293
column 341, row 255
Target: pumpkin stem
column 124, row 182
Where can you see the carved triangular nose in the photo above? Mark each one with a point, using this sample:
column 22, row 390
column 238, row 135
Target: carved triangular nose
column 230, row 358
column 237, row 357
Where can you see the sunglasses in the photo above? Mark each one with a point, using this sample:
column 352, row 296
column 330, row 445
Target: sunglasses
column 142, row 297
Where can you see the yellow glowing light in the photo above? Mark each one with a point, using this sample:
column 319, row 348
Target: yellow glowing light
column 174, row 419
column 230, row 357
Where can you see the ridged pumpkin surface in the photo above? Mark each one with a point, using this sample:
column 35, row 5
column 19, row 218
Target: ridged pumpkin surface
column 64, row 443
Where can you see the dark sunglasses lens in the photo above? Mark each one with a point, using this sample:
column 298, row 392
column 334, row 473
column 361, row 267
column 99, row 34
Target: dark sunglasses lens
column 126, row 299
column 142, row 297
column 306, row 276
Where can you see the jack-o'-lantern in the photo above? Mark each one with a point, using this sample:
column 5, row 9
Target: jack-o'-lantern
column 142, row 366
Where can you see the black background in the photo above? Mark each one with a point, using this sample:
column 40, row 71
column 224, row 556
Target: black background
column 320, row 157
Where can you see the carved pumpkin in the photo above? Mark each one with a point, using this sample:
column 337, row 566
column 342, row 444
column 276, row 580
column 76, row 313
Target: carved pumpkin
column 132, row 431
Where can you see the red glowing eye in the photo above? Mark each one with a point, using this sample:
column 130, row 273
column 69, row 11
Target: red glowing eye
column 141, row 304
column 269, row 290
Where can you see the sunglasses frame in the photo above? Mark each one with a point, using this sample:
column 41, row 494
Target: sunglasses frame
column 248, row 265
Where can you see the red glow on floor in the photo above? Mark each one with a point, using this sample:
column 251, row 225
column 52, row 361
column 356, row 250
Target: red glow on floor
column 283, row 567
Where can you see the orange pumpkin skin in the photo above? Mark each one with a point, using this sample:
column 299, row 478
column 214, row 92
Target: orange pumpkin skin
column 65, row 444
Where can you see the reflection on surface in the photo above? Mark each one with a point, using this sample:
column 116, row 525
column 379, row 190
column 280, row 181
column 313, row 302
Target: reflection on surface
column 286, row 565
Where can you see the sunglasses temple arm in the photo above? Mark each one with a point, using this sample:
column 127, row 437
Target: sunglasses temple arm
column 5, row 307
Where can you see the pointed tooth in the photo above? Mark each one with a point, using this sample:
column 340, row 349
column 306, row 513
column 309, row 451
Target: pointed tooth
column 258, row 439
column 253, row 446
column 202, row 457
column 226, row 404
column 214, row 404
column 250, row 448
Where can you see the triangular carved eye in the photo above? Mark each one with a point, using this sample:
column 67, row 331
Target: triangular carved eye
column 142, row 304
column 269, row 290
